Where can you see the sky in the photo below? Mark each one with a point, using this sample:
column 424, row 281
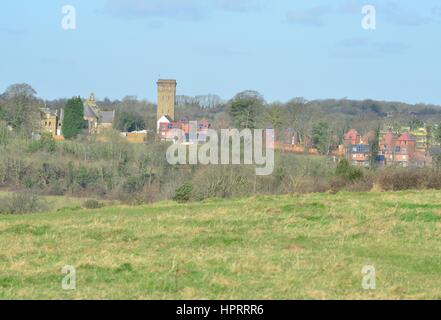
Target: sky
column 314, row 49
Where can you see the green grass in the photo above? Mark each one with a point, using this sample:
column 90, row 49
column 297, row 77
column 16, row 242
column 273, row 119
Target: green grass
column 267, row 247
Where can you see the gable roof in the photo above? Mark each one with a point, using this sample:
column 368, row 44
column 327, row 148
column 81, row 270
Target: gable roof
column 368, row 137
column 107, row 116
column 165, row 119
column 406, row 137
column 389, row 138
column 89, row 113
column 351, row 134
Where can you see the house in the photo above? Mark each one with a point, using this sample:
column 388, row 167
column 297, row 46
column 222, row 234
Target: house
column 106, row 119
column 359, row 154
column 357, row 149
column 405, row 150
column 421, row 135
column 91, row 118
column 165, row 126
column 166, row 129
column 97, row 120
column 51, row 121
column 401, row 150
column 352, row 137
column 387, row 148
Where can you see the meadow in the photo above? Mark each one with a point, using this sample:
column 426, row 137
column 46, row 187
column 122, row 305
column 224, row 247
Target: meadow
column 311, row 246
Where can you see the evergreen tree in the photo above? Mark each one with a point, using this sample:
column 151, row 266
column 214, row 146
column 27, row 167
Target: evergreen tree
column 73, row 121
column 375, row 149
column 245, row 108
column 320, row 137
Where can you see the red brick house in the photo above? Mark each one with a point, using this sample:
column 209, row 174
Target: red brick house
column 357, row 148
column 405, row 150
column 166, row 129
column 399, row 150
column 387, row 147
column 352, row 137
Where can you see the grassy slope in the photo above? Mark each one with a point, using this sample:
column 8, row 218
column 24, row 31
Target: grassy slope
column 59, row 202
column 289, row 247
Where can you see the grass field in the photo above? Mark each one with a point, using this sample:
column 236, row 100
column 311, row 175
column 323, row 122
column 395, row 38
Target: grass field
column 285, row 247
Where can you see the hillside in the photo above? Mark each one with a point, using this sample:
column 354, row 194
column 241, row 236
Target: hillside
column 286, row 247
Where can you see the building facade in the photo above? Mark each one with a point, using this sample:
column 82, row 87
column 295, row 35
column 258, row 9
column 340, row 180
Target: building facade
column 166, row 130
column 51, row 121
column 357, row 148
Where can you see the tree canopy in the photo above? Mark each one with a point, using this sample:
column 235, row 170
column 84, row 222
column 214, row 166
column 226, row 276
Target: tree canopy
column 245, row 109
column 129, row 121
column 20, row 107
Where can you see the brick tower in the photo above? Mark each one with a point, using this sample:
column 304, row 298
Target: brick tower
column 166, row 98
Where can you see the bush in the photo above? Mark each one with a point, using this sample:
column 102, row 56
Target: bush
column 92, row 204
column 183, row 193
column 133, row 184
column 86, row 178
column 337, row 184
column 45, row 143
column 434, row 180
column 346, row 171
column 365, row 184
column 21, row 203
column 401, row 179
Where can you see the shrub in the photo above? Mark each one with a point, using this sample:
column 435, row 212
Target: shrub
column 133, row 184
column 45, row 143
column 92, row 204
column 86, row 177
column 434, row 180
column 21, row 203
column 183, row 193
column 401, row 179
column 337, row 184
column 361, row 185
column 346, row 171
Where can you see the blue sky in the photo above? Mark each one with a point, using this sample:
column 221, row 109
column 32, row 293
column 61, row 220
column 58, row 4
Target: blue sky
column 281, row 48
